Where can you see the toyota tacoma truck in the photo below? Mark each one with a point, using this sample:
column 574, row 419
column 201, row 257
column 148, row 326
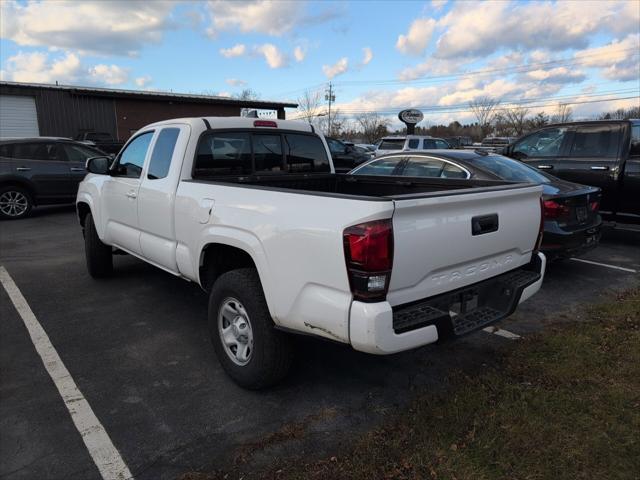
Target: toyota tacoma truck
column 253, row 212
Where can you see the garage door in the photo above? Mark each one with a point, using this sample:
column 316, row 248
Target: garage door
column 18, row 116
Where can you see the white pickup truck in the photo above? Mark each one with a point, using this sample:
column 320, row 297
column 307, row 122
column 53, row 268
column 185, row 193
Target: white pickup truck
column 253, row 212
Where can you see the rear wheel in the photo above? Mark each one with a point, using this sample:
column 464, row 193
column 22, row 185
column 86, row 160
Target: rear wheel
column 252, row 352
column 15, row 202
column 98, row 255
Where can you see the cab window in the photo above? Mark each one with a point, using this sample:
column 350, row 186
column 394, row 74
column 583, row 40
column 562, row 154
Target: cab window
column 224, row 153
column 596, row 141
column 162, row 153
column 305, row 153
column 131, row 160
column 545, row 143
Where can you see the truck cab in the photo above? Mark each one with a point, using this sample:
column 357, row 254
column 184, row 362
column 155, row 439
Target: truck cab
column 604, row 154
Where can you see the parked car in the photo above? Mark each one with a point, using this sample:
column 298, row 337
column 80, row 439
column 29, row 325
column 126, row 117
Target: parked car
column 284, row 245
column 571, row 220
column 345, row 156
column 604, row 153
column 497, row 142
column 410, row 143
column 102, row 140
column 459, row 142
column 367, row 146
column 40, row 171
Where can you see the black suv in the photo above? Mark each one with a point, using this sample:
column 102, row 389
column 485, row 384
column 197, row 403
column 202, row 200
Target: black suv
column 40, row 171
column 345, row 157
column 604, row 153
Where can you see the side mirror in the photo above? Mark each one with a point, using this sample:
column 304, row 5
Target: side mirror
column 99, row 165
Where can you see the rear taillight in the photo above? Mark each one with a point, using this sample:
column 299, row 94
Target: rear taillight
column 368, row 251
column 594, row 206
column 554, row 210
column 541, row 227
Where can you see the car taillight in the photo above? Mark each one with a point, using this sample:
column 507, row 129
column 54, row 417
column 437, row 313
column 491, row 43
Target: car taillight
column 541, row 227
column 554, row 210
column 368, row 251
column 594, row 206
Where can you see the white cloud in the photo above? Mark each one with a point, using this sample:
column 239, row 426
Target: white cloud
column 416, row 40
column 617, row 60
column 432, row 66
column 260, row 16
column 299, row 54
column 37, row 67
column 235, row 82
column 556, row 75
column 143, row 81
column 274, row 57
column 484, row 27
column 340, row 67
column 101, row 27
column 438, row 4
column 237, row 50
column 368, row 55
column 108, row 74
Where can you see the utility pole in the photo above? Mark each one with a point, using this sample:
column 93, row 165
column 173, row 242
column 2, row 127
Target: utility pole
column 330, row 97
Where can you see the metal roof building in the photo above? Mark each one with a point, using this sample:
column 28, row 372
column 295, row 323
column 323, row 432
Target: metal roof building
column 29, row 109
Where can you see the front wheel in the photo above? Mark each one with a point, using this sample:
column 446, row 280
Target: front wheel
column 252, row 352
column 15, row 202
column 98, row 255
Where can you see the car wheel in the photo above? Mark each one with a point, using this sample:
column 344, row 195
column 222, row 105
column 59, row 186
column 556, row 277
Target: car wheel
column 15, row 202
column 98, row 255
column 251, row 351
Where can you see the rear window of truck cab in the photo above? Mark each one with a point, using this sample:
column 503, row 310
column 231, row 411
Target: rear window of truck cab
column 237, row 153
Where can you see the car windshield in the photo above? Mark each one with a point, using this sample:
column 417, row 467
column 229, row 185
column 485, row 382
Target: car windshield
column 391, row 144
column 509, row 169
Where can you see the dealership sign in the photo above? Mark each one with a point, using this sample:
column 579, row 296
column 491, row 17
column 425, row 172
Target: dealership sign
column 410, row 116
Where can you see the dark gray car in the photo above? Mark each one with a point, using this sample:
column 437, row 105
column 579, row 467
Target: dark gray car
column 40, row 171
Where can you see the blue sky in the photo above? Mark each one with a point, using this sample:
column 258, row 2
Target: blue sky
column 381, row 56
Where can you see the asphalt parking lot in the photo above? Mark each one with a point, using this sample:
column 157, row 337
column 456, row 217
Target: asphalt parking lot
column 137, row 347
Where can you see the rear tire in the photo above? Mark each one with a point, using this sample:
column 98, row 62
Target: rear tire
column 251, row 351
column 99, row 256
column 15, row 202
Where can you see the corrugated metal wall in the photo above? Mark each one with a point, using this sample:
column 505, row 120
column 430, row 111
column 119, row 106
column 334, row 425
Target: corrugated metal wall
column 62, row 113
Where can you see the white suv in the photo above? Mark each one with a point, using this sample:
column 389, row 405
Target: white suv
column 410, row 143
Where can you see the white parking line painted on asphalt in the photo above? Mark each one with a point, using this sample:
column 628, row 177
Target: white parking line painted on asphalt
column 102, row 451
column 502, row 333
column 615, row 267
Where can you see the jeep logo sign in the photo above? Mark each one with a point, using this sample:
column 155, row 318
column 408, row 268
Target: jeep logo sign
column 410, row 116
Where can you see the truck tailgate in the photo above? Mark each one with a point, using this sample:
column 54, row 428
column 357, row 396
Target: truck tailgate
column 448, row 241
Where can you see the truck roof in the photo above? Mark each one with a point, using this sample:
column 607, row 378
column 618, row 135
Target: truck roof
column 239, row 122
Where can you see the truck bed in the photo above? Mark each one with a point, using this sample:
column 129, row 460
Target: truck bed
column 359, row 186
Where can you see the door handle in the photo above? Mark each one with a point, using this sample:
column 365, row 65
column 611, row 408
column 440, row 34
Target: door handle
column 77, row 169
column 600, row 167
column 23, row 169
column 132, row 194
column 545, row 167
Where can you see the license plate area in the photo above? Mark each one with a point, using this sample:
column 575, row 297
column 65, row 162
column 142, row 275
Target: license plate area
column 466, row 309
column 582, row 214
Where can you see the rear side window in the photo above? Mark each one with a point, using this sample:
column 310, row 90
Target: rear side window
column 162, row 153
column 37, row 151
column 441, row 144
column 267, row 153
column 423, row 167
column 305, row 153
column 224, row 154
column 384, row 166
column 413, row 143
column 596, row 141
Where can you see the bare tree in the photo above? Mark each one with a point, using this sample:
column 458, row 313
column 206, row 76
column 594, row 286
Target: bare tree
column 309, row 105
column 484, row 108
column 373, row 125
column 516, row 119
column 564, row 114
column 246, row 94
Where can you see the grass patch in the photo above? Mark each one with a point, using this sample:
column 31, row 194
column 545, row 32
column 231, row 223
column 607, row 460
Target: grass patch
column 564, row 404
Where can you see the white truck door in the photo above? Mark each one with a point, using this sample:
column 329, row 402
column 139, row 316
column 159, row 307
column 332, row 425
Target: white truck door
column 157, row 196
column 120, row 195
